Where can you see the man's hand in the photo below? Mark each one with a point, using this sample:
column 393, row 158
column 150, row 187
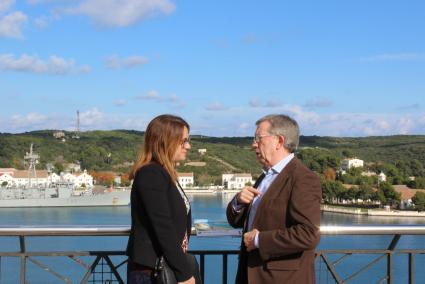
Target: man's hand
column 247, row 194
column 248, row 239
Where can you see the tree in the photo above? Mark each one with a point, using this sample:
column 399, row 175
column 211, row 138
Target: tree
column 329, row 174
column 417, row 183
column 392, row 197
column 58, row 167
column 419, row 200
column 331, row 190
column 365, row 192
column 347, row 153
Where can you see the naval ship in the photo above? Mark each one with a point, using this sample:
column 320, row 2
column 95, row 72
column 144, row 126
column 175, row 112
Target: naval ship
column 59, row 194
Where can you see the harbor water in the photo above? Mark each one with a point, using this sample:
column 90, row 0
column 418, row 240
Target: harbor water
column 204, row 206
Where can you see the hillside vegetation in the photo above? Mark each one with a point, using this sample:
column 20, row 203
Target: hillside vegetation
column 116, row 150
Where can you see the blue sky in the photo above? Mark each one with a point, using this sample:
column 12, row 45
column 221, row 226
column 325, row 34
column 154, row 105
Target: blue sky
column 340, row 68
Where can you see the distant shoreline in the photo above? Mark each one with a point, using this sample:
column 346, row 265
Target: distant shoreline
column 371, row 212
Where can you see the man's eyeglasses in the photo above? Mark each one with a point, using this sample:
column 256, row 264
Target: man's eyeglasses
column 257, row 138
column 185, row 141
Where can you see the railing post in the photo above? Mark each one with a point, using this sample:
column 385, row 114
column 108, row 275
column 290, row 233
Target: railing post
column 411, row 268
column 202, row 266
column 23, row 259
column 390, row 267
column 224, row 268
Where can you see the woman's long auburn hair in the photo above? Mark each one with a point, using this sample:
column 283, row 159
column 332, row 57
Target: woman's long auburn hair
column 163, row 136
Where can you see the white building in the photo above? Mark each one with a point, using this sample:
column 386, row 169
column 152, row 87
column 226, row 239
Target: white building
column 9, row 171
column 21, row 178
column 18, row 178
column 346, row 164
column 53, row 178
column 83, row 180
column 6, row 179
column 382, row 177
column 68, row 177
column 185, row 179
column 202, row 151
column 236, row 181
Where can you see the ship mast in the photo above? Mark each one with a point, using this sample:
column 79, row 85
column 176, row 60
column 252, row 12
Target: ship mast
column 32, row 159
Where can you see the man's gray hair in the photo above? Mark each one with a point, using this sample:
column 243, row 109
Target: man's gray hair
column 284, row 125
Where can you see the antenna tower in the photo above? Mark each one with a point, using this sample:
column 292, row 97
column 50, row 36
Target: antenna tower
column 77, row 131
column 32, row 159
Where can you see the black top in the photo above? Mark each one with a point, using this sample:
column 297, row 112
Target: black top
column 159, row 221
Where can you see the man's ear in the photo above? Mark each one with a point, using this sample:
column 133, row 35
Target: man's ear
column 281, row 141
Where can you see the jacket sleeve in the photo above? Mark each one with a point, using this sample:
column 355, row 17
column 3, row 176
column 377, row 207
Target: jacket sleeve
column 154, row 186
column 236, row 219
column 303, row 214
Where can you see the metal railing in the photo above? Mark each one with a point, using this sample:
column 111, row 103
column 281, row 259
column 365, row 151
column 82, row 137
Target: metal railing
column 108, row 266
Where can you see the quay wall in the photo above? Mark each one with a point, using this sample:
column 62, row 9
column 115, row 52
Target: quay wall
column 372, row 212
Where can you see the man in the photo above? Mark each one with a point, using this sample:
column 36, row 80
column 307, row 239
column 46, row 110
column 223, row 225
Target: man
column 280, row 215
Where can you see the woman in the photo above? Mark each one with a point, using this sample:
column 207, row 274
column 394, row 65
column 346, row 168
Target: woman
column 160, row 211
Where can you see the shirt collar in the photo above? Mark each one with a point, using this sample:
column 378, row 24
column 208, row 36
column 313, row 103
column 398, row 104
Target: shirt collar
column 276, row 169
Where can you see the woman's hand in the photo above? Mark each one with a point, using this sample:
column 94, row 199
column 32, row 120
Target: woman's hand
column 191, row 280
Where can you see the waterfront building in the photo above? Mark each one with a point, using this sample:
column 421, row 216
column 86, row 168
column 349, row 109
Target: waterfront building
column 20, row 178
column 185, row 179
column 83, row 180
column 236, row 181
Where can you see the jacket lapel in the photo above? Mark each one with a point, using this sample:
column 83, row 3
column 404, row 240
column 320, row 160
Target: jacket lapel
column 276, row 187
column 257, row 183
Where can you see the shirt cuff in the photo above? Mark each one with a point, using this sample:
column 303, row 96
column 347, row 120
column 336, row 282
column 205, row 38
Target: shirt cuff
column 257, row 240
column 236, row 206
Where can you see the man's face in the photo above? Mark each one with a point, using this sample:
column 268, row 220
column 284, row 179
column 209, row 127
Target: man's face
column 264, row 144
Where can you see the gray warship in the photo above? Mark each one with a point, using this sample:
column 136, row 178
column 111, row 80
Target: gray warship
column 58, row 194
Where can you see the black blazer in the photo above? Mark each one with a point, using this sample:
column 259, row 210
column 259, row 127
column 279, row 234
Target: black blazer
column 158, row 221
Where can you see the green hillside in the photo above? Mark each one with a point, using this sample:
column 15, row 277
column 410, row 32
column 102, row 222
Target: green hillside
column 116, row 150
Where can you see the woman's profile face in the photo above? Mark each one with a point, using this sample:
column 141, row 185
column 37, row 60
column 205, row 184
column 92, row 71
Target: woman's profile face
column 184, row 147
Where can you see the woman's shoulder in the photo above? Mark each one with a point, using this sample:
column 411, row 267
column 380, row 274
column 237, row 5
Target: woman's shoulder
column 152, row 168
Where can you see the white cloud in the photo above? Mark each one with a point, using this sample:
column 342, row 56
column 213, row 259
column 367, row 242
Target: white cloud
column 5, row 5
column 121, row 13
column 250, row 39
column 113, row 62
column 318, row 102
column 239, row 122
column 32, row 64
column 258, row 103
column 255, row 103
column 84, row 69
column 120, row 102
column 412, row 107
column 244, row 126
column 395, row 57
column 35, row 2
column 11, row 24
column 92, row 118
column 30, row 121
column 151, row 95
column 215, row 107
column 41, row 22
column 273, row 103
column 172, row 99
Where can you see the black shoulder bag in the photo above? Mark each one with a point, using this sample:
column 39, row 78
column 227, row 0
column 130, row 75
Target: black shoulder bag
column 165, row 275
